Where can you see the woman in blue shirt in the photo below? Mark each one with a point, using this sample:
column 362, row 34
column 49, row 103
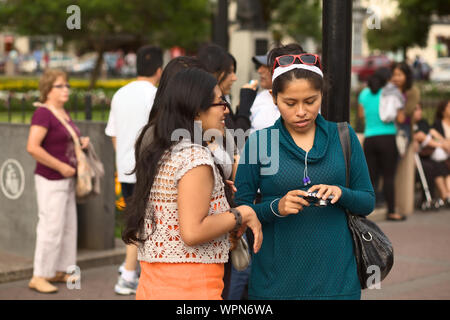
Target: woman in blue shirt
column 380, row 147
column 307, row 252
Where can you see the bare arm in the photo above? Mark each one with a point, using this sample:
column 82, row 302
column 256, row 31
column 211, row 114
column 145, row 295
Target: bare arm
column 34, row 148
column 114, row 141
column 444, row 143
column 436, row 135
column 196, row 226
column 360, row 112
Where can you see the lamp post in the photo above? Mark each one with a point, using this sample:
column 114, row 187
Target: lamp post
column 220, row 26
column 336, row 59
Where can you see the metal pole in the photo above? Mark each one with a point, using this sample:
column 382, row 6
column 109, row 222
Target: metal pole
column 88, row 106
column 220, row 27
column 22, row 108
column 336, row 58
column 8, row 105
column 75, row 105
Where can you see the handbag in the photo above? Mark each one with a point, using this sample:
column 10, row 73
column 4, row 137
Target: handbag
column 371, row 246
column 240, row 257
column 85, row 172
column 426, row 151
column 402, row 140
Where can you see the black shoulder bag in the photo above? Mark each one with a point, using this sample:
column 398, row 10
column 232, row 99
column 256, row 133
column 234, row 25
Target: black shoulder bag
column 371, row 246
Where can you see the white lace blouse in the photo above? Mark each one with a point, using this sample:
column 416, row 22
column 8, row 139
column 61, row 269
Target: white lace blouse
column 165, row 243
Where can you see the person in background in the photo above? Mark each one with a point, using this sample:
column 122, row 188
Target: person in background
column 52, row 146
column 402, row 77
column 442, row 127
column 180, row 213
column 130, row 109
column 433, row 151
column 263, row 112
column 380, row 147
column 222, row 65
column 172, row 68
column 442, row 119
column 307, row 251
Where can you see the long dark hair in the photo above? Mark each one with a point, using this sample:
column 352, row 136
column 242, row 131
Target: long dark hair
column 379, row 79
column 216, row 60
column 191, row 91
column 173, row 67
column 405, row 68
column 440, row 109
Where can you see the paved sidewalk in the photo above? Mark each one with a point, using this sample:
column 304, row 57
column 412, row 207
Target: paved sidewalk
column 13, row 267
column 421, row 258
column 421, row 269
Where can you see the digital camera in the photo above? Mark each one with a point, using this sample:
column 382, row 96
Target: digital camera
column 319, row 202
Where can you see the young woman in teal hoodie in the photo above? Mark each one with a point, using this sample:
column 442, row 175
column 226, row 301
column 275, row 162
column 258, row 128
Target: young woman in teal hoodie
column 307, row 252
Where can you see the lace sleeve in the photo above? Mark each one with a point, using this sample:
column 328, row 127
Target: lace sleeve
column 190, row 157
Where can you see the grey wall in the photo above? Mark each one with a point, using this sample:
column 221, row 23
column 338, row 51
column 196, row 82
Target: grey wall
column 18, row 217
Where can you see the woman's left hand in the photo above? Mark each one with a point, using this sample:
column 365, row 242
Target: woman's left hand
column 231, row 184
column 84, row 142
column 324, row 191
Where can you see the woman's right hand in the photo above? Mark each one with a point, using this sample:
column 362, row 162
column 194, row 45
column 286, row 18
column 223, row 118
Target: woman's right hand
column 253, row 84
column 401, row 116
column 292, row 202
column 66, row 170
column 249, row 219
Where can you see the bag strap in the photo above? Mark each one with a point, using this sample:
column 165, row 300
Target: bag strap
column 344, row 137
column 63, row 122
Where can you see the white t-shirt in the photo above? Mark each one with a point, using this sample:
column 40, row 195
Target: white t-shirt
column 263, row 112
column 130, row 108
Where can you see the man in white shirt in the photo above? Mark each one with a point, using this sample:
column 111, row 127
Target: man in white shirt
column 263, row 112
column 130, row 109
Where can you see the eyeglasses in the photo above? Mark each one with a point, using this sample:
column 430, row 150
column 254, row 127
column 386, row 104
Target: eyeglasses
column 60, row 86
column 304, row 58
column 224, row 104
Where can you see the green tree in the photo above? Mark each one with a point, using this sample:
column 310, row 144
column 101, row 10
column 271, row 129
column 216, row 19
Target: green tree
column 409, row 28
column 107, row 25
column 300, row 19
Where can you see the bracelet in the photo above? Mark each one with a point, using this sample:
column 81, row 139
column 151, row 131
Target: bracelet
column 238, row 217
column 274, row 211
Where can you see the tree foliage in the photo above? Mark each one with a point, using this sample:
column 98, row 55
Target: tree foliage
column 167, row 23
column 110, row 24
column 409, row 28
column 300, row 19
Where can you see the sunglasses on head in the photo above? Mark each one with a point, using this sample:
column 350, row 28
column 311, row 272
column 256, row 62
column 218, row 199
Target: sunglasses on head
column 224, row 103
column 303, row 58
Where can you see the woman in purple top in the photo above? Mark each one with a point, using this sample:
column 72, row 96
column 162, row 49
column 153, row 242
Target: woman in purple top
column 51, row 144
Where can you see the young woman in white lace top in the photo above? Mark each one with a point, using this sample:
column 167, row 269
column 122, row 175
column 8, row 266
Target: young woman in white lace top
column 180, row 213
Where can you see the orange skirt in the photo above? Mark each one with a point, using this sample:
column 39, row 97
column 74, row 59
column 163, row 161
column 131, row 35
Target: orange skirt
column 180, row 281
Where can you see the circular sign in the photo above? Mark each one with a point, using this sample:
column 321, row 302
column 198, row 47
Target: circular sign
column 12, row 179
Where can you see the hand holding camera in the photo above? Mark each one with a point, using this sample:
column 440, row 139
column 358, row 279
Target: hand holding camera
column 326, row 193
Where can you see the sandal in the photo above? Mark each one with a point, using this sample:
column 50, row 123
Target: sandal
column 391, row 218
column 63, row 277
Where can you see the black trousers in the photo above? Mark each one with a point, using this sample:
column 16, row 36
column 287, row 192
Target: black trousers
column 382, row 158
